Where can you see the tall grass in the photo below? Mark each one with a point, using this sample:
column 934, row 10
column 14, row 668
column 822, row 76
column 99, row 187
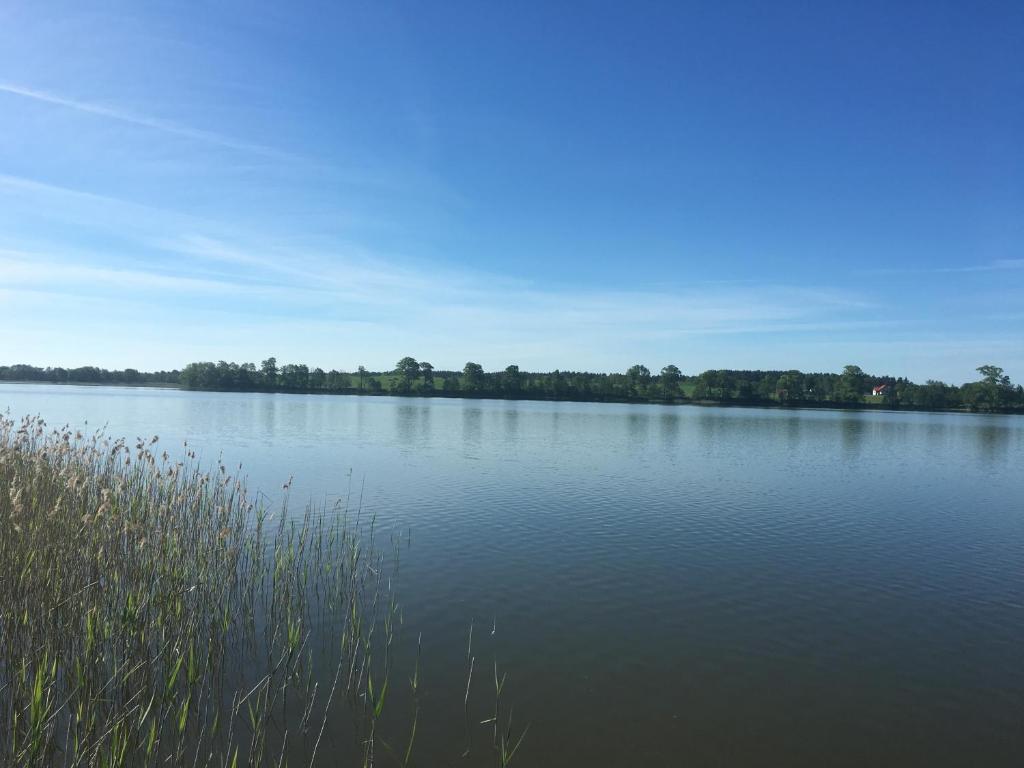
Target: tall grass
column 151, row 613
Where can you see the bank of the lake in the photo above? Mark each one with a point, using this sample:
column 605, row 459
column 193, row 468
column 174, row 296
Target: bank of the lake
column 863, row 405
column 853, row 388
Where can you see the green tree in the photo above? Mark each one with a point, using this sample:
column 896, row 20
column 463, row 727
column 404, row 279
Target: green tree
column 427, row 370
column 362, row 376
column 714, row 385
column 851, row 385
column 473, row 377
column 996, row 389
column 268, row 372
column 408, row 369
column 511, row 381
column 670, row 378
column 934, row 394
column 295, row 376
column 337, row 380
column 639, row 376
column 790, row 387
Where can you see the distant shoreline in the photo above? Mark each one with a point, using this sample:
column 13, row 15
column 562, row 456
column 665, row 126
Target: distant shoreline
column 804, row 405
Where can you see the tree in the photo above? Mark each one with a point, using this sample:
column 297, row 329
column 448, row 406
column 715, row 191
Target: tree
column 362, row 375
column 745, row 390
column 714, row 385
column 473, row 377
column 408, row 369
column 638, row 375
column 295, row 376
column 898, row 392
column 638, row 372
column 670, row 378
column 996, row 387
column 934, row 394
column 510, row 380
column 268, row 372
column 851, row 385
column 790, row 387
column 337, row 380
column 428, row 375
column 196, row 375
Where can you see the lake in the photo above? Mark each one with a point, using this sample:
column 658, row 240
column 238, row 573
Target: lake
column 665, row 585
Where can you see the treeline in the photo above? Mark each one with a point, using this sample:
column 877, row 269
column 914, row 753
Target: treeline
column 88, row 374
column 993, row 391
column 851, row 388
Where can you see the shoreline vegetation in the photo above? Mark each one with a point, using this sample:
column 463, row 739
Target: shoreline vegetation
column 851, row 389
column 152, row 613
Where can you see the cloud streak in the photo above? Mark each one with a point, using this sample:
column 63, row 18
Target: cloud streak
column 337, row 315
column 998, row 265
column 411, row 302
column 143, row 121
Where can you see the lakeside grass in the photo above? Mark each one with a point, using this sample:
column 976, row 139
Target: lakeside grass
column 150, row 613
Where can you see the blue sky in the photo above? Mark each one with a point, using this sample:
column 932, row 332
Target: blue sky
column 583, row 186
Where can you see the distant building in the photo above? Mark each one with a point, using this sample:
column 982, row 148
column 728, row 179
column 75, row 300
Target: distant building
column 881, row 389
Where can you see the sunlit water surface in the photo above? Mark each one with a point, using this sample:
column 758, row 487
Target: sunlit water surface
column 667, row 585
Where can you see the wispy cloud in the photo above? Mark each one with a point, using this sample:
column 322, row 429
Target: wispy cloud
column 144, row 121
column 77, row 302
column 995, row 266
column 998, row 265
column 229, row 289
column 24, row 269
column 411, row 302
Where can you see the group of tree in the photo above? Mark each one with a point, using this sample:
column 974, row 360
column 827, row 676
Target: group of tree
column 88, row 374
column 268, row 377
column 851, row 388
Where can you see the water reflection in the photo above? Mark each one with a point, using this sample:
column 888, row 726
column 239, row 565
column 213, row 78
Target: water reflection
column 362, row 417
column 852, row 430
column 511, row 423
column 993, row 440
column 638, row 424
column 794, row 426
column 406, row 424
column 267, row 416
column 412, row 424
column 936, row 434
column 709, row 423
column 472, row 429
column 669, row 423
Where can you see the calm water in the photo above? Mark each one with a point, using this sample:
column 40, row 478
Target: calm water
column 669, row 586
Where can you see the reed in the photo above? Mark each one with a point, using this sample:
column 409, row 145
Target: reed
column 152, row 613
